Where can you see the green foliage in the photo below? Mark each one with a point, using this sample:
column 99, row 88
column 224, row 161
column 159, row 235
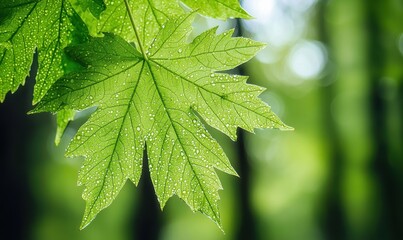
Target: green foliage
column 95, row 7
column 151, row 87
column 26, row 25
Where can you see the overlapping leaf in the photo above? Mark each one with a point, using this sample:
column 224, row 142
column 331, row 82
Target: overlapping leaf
column 46, row 26
column 63, row 118
column 221, row 9
column 149, row 97
column 94, row 7
column 147, row 15
column 150, row 15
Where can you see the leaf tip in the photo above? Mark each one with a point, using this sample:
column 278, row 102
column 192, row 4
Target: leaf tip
column 88, row 217
column 219, row 225
column 247, row 16
column 85, row 222
column 286, row 128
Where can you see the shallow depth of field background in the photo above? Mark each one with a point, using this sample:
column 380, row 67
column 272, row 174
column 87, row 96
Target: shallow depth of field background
column 333, row 70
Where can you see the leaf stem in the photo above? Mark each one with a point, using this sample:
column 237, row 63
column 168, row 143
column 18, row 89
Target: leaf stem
column 135, row 30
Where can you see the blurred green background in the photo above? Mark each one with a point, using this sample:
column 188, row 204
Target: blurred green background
column 333, row 70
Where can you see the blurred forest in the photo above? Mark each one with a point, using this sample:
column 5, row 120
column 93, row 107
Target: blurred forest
column 333, row 70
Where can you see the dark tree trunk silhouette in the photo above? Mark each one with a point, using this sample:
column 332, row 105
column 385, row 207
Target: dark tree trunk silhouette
column 147, row 219
column 16, row 127
column 390, row 191
column 333, row 217
column 247, row 227
column 246, row 218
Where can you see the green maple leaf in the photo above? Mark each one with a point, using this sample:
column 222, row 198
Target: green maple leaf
column 42, row 25
column 150, row 97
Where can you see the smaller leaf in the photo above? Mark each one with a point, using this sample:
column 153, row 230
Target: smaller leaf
column 221, row 9
column 63, row 119
column 95, row 7
column 45, row 27
column 148, row 15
